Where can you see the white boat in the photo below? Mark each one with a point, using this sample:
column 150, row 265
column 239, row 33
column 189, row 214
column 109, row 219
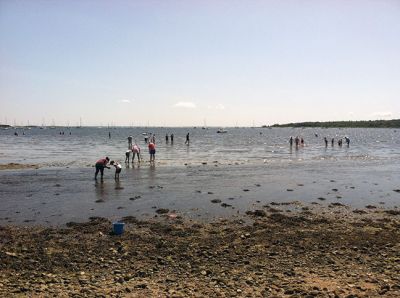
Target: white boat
column 221, row 130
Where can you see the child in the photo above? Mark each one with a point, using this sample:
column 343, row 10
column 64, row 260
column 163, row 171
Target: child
column 127, row 153
column 118, row 168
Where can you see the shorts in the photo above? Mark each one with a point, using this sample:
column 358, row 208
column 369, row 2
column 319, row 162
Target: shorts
column 152, row 152
column 99, row 166
column 118, row 171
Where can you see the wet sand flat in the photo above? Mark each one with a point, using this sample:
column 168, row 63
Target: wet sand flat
column 205, row 192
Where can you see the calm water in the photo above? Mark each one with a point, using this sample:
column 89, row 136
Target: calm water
column 84, row 146
column 245, row 168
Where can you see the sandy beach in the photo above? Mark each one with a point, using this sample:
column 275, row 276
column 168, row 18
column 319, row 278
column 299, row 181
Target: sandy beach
column 266, row 254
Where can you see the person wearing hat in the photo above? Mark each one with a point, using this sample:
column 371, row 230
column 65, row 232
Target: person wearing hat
column 100, row 165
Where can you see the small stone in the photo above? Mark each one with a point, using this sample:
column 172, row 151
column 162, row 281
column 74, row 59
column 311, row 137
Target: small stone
column 370, row 207
column 216, row 201
column 162, row 211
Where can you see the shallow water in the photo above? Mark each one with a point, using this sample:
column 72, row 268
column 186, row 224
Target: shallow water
column 218, row 166
column 84, row 146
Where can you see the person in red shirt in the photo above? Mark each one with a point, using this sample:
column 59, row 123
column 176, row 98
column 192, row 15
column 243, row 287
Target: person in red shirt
column 100, row 165
column 152, row 151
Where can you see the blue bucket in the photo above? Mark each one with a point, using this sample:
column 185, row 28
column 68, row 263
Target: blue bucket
column 118, row 228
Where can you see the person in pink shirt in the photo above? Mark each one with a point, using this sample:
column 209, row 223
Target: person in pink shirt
column 136, row 151
column 100, row 165
column 152, row 151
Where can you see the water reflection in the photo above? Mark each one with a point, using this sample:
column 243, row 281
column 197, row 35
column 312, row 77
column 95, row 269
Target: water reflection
column 100, row 190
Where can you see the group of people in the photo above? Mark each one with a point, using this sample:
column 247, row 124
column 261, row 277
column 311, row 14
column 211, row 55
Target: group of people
column 135, row 149
column 297, row 141
column 102, row 163
column 340, row 141
column 300, row 141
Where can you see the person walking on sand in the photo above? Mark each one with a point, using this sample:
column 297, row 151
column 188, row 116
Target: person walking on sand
column 326, row 142
column 152, row 151
column 136, row 151
column 291, row 141
column 333, row 141
column 100, row 165
column 130, row 142
column 187, row 139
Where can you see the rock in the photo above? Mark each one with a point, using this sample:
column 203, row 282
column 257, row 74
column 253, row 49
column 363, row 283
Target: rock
column 260, row 213
column 337, row 205
column 225, row 205
column 216, row 201
column 289, row 189
column 321, row 199
column 396, row 190
column 392, row 212
column 162, row 211
column 370, row 207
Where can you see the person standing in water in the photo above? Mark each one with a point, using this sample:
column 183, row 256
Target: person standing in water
column 347, row 141
column 187, row 139
column 100, row 165
column 152, row 151
column 136, row 151
column 118, row 169
column 291, row 141
column 333, row 141
column 130, row 142
column 326, row 142
column 172, row 138
column 109, row 134
column 166, row 138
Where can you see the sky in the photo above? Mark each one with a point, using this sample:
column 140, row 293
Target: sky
column 196, row 63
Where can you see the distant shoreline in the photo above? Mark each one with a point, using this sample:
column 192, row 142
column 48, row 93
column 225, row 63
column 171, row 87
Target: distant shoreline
column 395, row 123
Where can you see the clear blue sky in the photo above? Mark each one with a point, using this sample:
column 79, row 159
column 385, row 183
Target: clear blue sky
column 174, row 63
